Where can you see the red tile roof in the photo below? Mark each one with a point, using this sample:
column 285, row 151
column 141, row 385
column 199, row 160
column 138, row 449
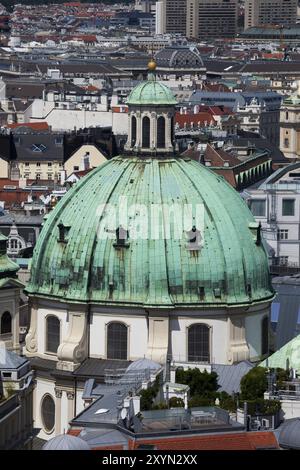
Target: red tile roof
column 38, row 126
column 224, row 441
column 202, row 119
column 217, row 157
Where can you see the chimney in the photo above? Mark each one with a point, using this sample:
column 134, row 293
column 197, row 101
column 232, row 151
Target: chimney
column 85, row 161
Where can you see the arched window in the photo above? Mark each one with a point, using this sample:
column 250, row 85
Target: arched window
column 161, row 125
column 5, row 323
column 52, row 334
column 287, row 115
column 116, row 341
column 265, row 336
column 198, row 343
column 133, row 131
column 146, row 132
column 48, row 413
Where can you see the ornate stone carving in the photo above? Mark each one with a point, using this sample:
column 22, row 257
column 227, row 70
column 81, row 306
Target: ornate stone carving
column 58, row 393
column 70, row 395
column 73, row 350
column 31, row 340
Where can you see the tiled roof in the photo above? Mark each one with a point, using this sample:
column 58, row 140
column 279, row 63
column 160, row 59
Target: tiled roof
column 230, row 441
column 40, row 126
column 201, row 119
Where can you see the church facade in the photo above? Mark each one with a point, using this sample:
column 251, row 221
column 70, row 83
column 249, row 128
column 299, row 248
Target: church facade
column 150, row 255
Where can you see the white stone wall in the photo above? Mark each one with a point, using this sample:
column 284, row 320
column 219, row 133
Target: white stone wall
column 219, row 337
column 43, row 387
column 253, row 326
column 41, row 328
column 138, row 334
column 68, row 119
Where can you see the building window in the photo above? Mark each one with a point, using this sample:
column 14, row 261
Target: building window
column 38, row 176
column 265, row 336
column 38, row 164
column 146, row 132
column 288, row 206
column 161, row 125
column 76, row 168
column 48, row 413
column 49, row 164
column 286, row 143
column 198, row 343
column 133, row 131
column 282, row 234
column 116, row 341
column 26, row 163
column 52, row 334
column 5, row 323
column 287, row 115
column 258, row 207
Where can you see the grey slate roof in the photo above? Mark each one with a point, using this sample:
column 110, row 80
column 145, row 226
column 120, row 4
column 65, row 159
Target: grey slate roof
column 104, row 436
column 27, row 145
column 11, row 360
column 229, row 376
column 286, row 309
column 21, row 219
column 93, row 367
column 179, row 57
column 289, row 436
column 217, row 98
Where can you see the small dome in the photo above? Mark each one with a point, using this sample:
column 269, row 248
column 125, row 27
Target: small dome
column 151, row 93
column 289, row 437
column 179, row 57
column 142, row 364
column 66, row 442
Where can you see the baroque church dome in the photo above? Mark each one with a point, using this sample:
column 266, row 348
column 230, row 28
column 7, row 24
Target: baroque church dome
column 231, row 267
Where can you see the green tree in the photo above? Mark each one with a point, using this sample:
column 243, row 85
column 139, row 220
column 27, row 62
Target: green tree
column 254, row 384
column 176, row 402
column 202, row 384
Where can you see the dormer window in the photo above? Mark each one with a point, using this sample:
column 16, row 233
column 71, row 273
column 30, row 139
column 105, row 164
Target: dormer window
column 38, row 148
column 194, row 239
column 122, row 236
column 63, row 231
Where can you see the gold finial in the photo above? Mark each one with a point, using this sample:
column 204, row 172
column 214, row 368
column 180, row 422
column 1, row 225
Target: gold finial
column 152, row 65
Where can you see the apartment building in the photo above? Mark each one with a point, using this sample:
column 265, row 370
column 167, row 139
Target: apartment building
column 175, row 16
column 276, row 205
column 210, row 19
column 270, row 12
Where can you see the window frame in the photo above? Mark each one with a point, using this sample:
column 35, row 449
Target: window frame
column 45, row 429
column 11, row 323
column 209, row 331
column 282, row 207
column 47, row 351
column 260, row 200
column 108, row 325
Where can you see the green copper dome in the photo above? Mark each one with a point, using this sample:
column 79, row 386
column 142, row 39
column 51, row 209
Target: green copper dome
column 151, row 92
column 72, row 262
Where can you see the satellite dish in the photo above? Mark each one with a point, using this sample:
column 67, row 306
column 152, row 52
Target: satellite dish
column 124, row 413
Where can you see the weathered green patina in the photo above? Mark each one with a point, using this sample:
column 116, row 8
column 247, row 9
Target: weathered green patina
column 151, row 92
column 286, row 357
column 8, row 268
column 231, row 268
